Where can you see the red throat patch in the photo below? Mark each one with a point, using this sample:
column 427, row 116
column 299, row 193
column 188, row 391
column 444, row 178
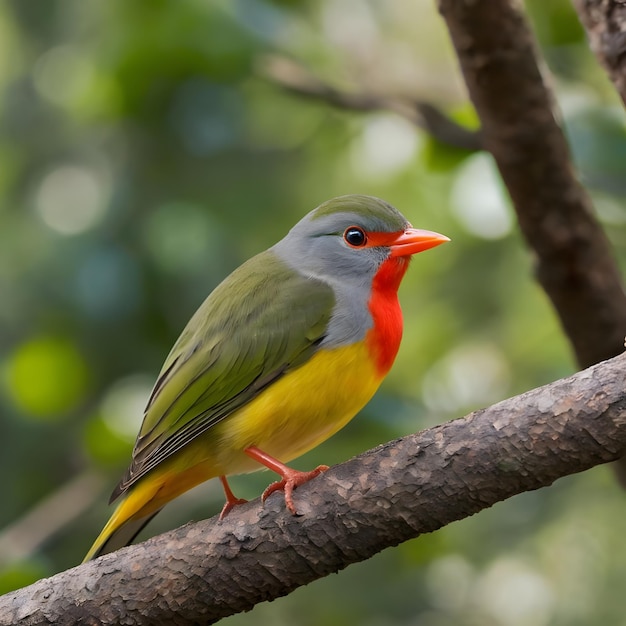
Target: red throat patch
column 384, row 337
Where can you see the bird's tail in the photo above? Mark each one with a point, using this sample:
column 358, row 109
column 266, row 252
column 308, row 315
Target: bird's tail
column 131, row 515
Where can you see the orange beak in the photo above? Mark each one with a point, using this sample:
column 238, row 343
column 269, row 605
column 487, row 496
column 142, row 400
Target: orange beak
column 414, row 240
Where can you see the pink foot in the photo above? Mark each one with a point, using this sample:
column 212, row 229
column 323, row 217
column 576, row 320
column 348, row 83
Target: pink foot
column 290, row 478
column 231, row 500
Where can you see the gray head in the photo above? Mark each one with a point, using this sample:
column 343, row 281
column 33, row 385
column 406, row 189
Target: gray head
column 345, row 242
column 347, row 239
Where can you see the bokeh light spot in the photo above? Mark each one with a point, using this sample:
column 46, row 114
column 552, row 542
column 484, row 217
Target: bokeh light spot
column 123, row 405
column 71, row 199
column 478, row 199
column 450, row 582
column 63, row 74
column 514, row 594
column 105, row 446
column 387, row 145
column 47, row 377
column 470, row 376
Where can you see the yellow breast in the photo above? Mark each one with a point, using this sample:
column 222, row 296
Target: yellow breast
column 299, row 411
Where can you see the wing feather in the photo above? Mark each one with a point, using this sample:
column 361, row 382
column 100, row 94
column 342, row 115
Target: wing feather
column 262, row 321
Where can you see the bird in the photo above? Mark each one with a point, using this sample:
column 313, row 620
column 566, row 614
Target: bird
column 280, row 356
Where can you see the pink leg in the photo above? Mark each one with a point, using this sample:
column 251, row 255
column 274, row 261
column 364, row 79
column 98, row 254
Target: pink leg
column 231, row 500
column 290, row 478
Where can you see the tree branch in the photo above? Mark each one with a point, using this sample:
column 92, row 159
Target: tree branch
column 575, row 266
column 605, row 23
column 295, row 79
column 204, row 571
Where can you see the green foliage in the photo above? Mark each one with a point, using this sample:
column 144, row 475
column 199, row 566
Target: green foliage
column 19, row 575
column 143, row 156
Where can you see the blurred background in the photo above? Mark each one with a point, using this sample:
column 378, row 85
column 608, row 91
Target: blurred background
column 146, row 150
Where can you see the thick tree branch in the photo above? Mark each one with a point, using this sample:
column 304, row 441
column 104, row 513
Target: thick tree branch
column 574, row 262
column 204, row 571
column 295, row 79
column 605, row 22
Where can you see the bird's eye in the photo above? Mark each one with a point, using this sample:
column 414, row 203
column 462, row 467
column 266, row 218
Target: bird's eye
column 355, row 237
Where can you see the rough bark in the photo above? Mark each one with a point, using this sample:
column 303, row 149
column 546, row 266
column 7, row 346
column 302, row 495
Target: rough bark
column 605, row 23
column 574, row 263
column 204, row 571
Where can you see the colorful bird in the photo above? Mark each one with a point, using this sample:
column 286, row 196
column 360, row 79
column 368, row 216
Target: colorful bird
column 279, row 357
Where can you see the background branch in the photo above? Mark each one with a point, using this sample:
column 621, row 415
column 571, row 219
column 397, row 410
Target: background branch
column 605, row 23
column 204, row 571
column 574, row 263
column 295, row 79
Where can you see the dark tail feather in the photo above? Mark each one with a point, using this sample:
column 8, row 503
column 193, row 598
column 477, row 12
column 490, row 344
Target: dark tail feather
column 120, row 537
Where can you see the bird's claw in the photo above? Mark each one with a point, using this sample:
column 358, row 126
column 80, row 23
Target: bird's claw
column 231, row 500
column 290, row 480
column 229, row 505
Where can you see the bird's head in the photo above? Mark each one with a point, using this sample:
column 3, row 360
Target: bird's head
column 350, row 238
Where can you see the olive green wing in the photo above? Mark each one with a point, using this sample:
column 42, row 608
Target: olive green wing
column 262, row 321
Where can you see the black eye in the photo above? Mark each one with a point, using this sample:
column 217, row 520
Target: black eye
column 355, row 237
